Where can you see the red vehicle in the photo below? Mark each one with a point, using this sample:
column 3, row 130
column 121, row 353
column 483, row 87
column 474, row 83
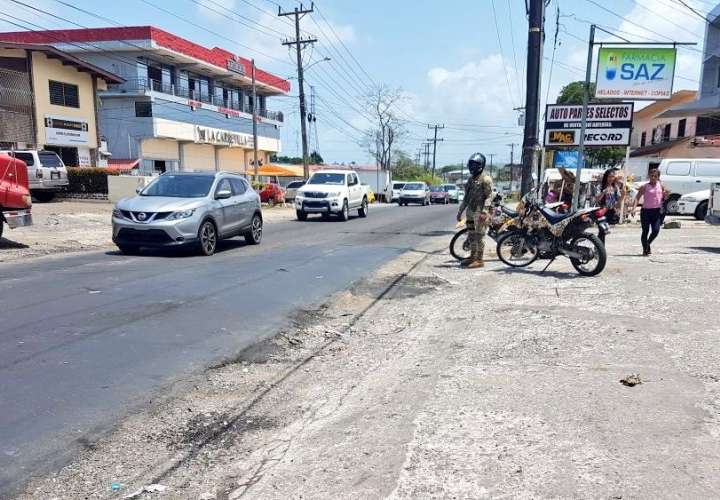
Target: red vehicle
column 439, row 195
column 15, row 201
column 272, row 193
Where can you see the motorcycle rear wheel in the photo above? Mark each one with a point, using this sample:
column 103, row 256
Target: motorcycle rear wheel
column 596, row 264
column 515, row 249
column 460, row 245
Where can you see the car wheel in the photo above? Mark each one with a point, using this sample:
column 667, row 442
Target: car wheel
column 301, row 215
column 345, row 214
column 271, row 202
column 208, row 237
column 701, row 210
column 363, row 210
column 254, row 235
column 43, row 196
column 672, row 206
column 129, row 249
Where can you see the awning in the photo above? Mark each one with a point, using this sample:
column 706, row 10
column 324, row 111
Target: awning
column 120, row 165
column 708, row 105
column 271, row 170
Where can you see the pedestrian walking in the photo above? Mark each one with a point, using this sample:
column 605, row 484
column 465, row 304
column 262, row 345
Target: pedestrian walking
column 476, row 204
column 611, row 196
column 652, row 213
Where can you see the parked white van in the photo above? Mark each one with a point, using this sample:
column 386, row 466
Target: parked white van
column 46, row 172
column 687, row 175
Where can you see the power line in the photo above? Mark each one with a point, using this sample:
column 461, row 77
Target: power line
column 502, row 53
column 691, row 9
column 518, row 77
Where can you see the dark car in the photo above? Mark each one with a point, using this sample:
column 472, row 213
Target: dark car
column 439, row 195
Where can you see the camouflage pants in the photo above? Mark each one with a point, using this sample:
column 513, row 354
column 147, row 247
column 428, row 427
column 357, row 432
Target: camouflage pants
column 477, row 230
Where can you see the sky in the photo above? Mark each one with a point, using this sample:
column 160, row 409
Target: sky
column 460, row 63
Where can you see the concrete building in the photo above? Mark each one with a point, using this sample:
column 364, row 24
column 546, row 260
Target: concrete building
column 181, row 105
column 47, row 101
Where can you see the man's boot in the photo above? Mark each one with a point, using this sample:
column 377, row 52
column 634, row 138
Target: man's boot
column 467, row 262
column 476, row 264
column 477, row 256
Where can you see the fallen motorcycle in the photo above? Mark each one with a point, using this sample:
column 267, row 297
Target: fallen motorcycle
column 542, row 233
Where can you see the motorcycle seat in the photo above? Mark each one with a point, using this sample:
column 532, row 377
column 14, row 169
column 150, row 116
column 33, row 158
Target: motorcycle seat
column 552, row 216
column 508, row 211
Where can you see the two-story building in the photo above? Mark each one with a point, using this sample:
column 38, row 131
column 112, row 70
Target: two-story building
column 181, row 105
column 48, row 101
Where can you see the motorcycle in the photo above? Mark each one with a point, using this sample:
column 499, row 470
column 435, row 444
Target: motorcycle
column 501, row 218
column 543, row 233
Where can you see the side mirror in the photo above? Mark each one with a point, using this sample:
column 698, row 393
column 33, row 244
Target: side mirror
column 223, row 194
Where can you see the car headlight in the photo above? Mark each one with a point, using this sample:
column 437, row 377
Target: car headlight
column 691, row 199
column 181, row 214
column 334, row 194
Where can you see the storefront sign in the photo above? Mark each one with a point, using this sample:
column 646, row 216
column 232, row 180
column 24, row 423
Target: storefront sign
column 607, row 125
column 566, row 159
column 236, row 67
column 206, row 135
column 635, row 73
column 66, row 131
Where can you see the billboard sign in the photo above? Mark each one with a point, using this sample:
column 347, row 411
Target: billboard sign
column 635, row 73
column 566, row 159
column 60, row 131
column 607, row 125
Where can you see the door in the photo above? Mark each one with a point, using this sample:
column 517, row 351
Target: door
column 29, row 160
column 244, row 202
column 226, row 214
column 355, row 190
column 706, row 173
column 677, row 177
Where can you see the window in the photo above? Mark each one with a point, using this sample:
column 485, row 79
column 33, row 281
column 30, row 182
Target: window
column 64, row 94
column 678, row 168
column 143, row 109
column 643, row 139
column 666, row 132
column 707, row 169
column 239, row 186
column 682, row 125
column 26, row 157
column 224, row 185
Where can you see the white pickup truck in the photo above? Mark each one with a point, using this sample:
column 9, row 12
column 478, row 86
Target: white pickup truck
column 329, row 192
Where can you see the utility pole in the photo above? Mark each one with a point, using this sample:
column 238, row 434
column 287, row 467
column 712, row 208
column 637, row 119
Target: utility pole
column 255, row 120
column 512, row 152
column 426, row 153
column 299, row 43
column 435, row 141
column 536, row 37
column 583, row 124
column 491, row 155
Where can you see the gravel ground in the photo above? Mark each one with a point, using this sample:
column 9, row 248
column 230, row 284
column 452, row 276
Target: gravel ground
column 76, row 226
column 427, row 381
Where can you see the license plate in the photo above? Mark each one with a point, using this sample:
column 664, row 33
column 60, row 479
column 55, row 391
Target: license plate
column 54, row 175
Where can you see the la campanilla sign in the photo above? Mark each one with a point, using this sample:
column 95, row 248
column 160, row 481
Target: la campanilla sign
column 635, row 73
column 607, row 124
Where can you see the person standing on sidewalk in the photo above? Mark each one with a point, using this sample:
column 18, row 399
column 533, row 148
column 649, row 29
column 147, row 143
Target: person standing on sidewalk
column 612, row 193
column 654, row 195
column 477, row 196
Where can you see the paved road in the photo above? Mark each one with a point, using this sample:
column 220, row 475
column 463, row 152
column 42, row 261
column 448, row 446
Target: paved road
column 85, row 339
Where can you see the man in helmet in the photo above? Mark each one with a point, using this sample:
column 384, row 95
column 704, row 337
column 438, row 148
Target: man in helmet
column 477, row 197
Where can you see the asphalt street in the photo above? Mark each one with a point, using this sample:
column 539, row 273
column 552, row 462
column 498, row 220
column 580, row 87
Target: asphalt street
column 86, row 339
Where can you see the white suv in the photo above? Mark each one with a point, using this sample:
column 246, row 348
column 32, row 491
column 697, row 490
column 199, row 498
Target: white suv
column 687, row 175
column 330, row 192
column 46, row 172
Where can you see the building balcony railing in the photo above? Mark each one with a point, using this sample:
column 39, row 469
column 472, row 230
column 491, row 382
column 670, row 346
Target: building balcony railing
column 144, row 85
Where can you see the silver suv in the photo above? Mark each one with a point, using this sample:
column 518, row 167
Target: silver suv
column 188, row 208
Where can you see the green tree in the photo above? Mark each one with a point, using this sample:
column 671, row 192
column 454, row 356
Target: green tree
column 316, row 159
column 572, row 93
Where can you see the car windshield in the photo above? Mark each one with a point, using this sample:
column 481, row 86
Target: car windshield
column 295, row 184
column 398, row 185
column 436, row 189
column 50, row 160
column 449, row 187
column 413, row 186
column 180, row 186
column 327, row 178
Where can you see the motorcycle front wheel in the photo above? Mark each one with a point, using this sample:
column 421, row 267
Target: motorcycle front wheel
column 460, row 245
column 595, row 258
column 516, row 250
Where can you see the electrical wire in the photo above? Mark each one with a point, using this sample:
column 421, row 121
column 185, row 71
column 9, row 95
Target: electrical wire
column 502, row 53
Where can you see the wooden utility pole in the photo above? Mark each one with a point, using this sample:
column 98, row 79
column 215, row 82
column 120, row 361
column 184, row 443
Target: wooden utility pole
column 435, row 141
column 299, row 43
column 536, row 38
column 491, row 155
column 512, row 152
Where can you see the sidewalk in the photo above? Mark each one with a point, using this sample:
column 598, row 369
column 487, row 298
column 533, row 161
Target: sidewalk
column 76, row 226
column 454, row 384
